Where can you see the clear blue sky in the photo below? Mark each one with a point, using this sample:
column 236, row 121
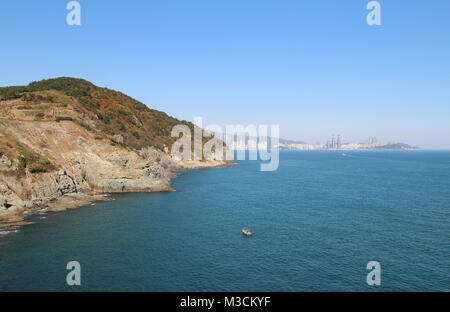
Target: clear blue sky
column 313, row 67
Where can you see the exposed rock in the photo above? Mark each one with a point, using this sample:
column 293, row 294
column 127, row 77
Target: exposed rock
column 66, row 184
column 4, row 161
column 118, row 138
column 87, row 169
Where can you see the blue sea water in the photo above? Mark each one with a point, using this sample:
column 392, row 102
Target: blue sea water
column 316, row 221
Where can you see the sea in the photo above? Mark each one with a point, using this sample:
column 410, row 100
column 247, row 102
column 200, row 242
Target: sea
column 317, row 222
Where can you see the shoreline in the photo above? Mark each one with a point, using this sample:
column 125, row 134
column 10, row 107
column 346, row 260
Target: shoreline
column 11, row 224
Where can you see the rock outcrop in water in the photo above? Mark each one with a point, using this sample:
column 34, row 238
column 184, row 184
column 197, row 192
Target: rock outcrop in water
column 64, row 142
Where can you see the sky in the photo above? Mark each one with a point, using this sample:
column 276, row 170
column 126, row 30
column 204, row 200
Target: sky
column 315, row 68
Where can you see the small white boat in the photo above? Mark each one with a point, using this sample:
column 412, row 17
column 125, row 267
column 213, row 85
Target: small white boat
column 246, row 232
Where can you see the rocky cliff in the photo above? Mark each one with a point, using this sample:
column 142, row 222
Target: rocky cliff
column 65, row 142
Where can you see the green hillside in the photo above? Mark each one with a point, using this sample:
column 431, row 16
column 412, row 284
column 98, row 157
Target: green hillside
column 112, row 112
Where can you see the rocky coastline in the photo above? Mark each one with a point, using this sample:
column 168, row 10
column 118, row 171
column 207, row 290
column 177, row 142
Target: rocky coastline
column 89, row 178
column 65, row 142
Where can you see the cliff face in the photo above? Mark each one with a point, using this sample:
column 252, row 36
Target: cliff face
column 56, row 152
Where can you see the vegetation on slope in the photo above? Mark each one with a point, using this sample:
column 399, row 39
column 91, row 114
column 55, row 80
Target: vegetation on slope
column 106, row 114
column 395, row 146
column 113, row 113
column 27, row 160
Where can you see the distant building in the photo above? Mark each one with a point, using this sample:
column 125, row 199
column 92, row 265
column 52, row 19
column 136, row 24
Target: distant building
column 333, row 142
column 372, row 140
column 339, row 141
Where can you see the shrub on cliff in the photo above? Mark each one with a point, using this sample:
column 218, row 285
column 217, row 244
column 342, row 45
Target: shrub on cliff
column 33, row 162
column 62, row 118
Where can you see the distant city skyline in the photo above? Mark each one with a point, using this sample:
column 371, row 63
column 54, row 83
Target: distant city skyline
column 244, row 141
column 314, row 68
